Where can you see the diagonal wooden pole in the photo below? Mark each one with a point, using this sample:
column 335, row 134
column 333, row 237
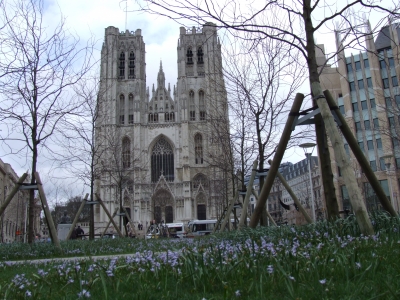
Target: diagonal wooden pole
column 280, row 151
column 292, row 194
column 108, row 214
column 77, row 217
column 50, row 223
column 12, row 193
column 109, row 222
column 243, row 216
column 342, row 160
column 362, row 160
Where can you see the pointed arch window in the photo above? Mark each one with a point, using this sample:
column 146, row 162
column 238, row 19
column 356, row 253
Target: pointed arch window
column 200, row 55
column 131, row 65
column 202, row 106
column 189, row 56
column 122, row 65
column 162, row 161
column 130, row 113
column 192, row 107
column 121, row 109
column 200, row 179
column 126, row 153
column 198, row 148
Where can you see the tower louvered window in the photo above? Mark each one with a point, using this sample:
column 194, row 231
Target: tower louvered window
column 130, row 113
column 121, row 109
column 200, row 55
column 202, row 107
column 192, row 107
column 198, row 148
column 131, row 65
column 162, row 161
column 189, row 56
column 122, row 65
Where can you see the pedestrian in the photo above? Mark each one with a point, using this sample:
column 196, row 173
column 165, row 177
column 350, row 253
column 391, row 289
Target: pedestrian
column 79, row 232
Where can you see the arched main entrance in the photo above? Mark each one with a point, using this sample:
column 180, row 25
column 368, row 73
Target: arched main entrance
column 163, row 206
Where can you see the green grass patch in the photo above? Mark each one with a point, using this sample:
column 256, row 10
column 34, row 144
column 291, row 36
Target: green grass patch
column 321, row 261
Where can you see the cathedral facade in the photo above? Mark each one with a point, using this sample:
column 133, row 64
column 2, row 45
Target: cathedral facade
column 162, row 154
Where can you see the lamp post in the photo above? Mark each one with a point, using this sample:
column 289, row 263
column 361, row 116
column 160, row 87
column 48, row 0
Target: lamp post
column 387, row 159
column 308, row 150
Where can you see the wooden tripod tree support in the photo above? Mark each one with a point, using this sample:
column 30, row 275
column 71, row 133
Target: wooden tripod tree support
column 243, row 216
column 255, row 218
column 12, row 193
column 109, row 222
column 291, row 193
column 362, row 160
column 228, row 212
column 77, row 217
column 108, row 215
column 342, row 160
column 50, row 223
column 266, row 211
column 130, row 220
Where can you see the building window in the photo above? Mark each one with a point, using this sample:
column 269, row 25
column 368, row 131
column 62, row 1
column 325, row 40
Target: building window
column 382, row 164
column 382, row 64
column 341, row 108
column 202, row 107
column 361, row 145
column 378, row 143
column 162, row 161
column 360, row 84
column 372, row 103
column 391, row 62
column 358, row 65
column 366, row 63
column 369, row 82
column 358, row 126
column 189, row 56
column 200, row 55
column 397, row 100
column 394, row 81
column 121, row 109
column 198, row 148
column 349, row 68
column 192, row 107
column 388, row 102
column 372, row 163
column 131, row 65
column 367, row 125
column 126, row 153
column 355, row 106
column 385, row 83
column 376, row 123
column 364, row 105
column 352, row 86
column 391, row 121
column 370, row 145
column 130, row 115
column 122, row 65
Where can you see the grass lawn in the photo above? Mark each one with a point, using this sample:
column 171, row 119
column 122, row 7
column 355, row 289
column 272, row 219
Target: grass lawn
column 322, row 261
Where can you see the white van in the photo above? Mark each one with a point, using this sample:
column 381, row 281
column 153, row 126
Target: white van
column 176, row 230
column 201, row 227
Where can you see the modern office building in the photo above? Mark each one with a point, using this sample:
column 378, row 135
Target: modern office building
column 366, row 88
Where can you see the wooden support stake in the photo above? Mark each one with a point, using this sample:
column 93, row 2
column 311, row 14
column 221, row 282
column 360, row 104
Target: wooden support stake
column 266, row 211
column 243, row 216
column 342, row 160
column 280, row 151
column 362, row 160
column 228, row 212
column 291, row 193
column 109, row 222
column 12, row 193
column 108, row 214
column 130, row 220
column 77, row 217
column 52, row 228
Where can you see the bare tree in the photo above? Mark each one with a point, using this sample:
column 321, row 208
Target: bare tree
column 37, row 68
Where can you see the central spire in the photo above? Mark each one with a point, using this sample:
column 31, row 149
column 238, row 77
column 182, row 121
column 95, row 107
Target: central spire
column 161, row 77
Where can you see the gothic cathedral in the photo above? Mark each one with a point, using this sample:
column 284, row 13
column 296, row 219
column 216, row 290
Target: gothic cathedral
column 162, row 154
